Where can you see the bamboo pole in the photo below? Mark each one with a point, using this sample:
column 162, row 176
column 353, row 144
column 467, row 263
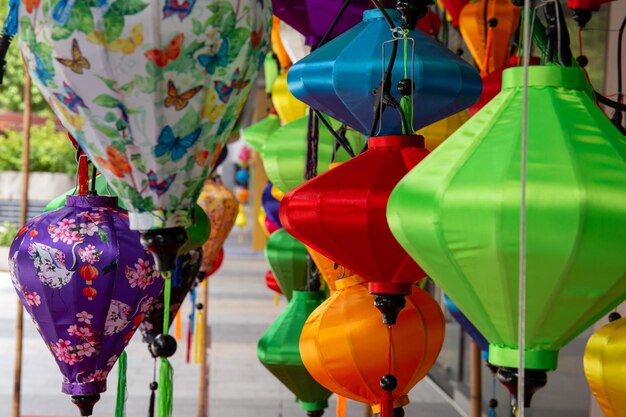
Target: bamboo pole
column 203, row 398
column 19, row 325
column 476, row 380
column 368, row 411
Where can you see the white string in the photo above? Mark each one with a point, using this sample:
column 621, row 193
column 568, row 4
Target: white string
column 522, row 253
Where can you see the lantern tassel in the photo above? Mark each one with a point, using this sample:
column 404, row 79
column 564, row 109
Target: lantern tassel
column 386, row 404
column 276, row 299
column 178, row 326
column 120, row 404
column 198, row 338
column 152, row 402
column 166, row 388
column 341, row 406
column 189, row 341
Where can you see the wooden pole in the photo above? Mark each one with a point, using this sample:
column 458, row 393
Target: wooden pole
column 368, row 411
column 19, row 325
column 476, row 380
column 203, row 398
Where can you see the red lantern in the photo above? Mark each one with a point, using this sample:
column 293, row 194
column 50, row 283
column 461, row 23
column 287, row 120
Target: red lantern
column 88, row 272
column 89, row 292
column 342, row 215
column 430, row 24
column 271, row 283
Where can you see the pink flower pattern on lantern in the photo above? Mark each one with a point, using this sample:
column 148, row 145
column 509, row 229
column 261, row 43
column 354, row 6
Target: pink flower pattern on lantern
column 142, row 275
column 32, row 298
column 89, row 254
column 66, row 231
column 88, row 229
column 84, row 317
column 145, row 306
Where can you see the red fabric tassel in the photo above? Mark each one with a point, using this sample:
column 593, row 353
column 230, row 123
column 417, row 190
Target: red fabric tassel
column 188, row 353
column 386, row 404
column 83, row 175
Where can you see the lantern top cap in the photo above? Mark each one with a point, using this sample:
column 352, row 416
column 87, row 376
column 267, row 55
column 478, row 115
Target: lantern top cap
column 545, row 76
column 391, row 141
column 308, row 295
column 90, row 201
column 375, row 14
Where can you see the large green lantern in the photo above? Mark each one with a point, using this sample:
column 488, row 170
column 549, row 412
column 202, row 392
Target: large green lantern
column 287, row 257
column 458, row 215
column 257, row 134
column 279, row 352
column 198, row 232
column 285, row 152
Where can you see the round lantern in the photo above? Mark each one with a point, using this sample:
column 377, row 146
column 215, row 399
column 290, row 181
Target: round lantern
column 341, row 214
column 221, row 206
column 458, row 215
column 257, row 134
column 184, row 277
column 605, row 368
column 435, row 134
column 487, row 27
column 287, row 259
column 87, row 282
column 279, row 352
column 339, row 77
column 345, row 346
column 312, row 18
column 285, row 152
column 287, row 106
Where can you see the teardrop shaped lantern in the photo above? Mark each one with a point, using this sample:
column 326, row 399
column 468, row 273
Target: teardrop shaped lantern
column 605, row 368
column 330, row 270
column 457, row 214
column 345, row 346
column 341, row 214
column 221, row 207
column 287, row 259
column 285, row 152
column 487, row 27
column 287, row 106
column 339, row 77
column 279, row 352
column 148, row 96
column 435, row 134
column 86, row 281
column 313, row 18
column 257, row 134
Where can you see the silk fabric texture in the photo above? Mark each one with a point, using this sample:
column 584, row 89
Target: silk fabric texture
column 287, row 259
column 458, row 212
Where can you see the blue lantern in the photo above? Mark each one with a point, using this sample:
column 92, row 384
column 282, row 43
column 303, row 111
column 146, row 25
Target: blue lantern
column 467, row 326
column 242, row 177
column 339, row 77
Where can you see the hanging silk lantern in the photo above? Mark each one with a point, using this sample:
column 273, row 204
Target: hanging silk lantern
column 575, row 225
column 270, row 204
column 339, row 77
column 271, row 283
column 287, row 106
column 341, row 214
column 430, row 24
column 242, row 177
column 277, row 45
column 285, row 152
column 271, row 226
column 86, row 325
column 271, row 71
column 453, row 9
column 287, row 259
column 277, row 194
column 257, row 134
column 144, row 93
column 313, row 18
column 197, row 233
column 492, row 83
column 487, row 27
column 330, row 270
column 467, row 326
column 221, row 207
column 279, row 352
column 604, row 367
column 185, row 276
column 217, row 264
column 435, row 134
column 294, row 42
column 345, row 346
column 243, row 195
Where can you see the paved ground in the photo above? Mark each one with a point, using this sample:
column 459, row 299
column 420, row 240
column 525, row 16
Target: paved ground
column 241, row 308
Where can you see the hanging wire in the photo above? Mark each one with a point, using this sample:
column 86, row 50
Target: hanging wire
column 522, row 233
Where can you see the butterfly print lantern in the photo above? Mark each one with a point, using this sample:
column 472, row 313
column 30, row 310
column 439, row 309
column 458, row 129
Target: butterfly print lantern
column 151, row 90
column 87, row 283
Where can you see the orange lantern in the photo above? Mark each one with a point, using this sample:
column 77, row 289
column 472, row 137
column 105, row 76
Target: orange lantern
column 243, row 195
column 436, row 133
column 487, row 27
column 89, row 272
column 277, row 45
column 330, row 271
column 349, row 353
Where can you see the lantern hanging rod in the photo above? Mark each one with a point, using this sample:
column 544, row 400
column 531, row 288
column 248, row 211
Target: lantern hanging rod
column 341, row 140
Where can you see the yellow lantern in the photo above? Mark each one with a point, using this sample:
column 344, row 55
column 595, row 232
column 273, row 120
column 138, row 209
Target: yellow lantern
column 287, row 106
column 605, row 367
column 330, row 271
column 435, row 134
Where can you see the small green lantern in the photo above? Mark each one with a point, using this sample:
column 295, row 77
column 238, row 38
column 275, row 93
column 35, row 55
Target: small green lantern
column 279, row 352
column 458, row 215
column 257, row 134
column 287, row 257
column 198, row 232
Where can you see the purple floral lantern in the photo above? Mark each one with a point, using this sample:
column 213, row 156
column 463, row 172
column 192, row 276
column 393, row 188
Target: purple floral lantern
column 87, row 283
